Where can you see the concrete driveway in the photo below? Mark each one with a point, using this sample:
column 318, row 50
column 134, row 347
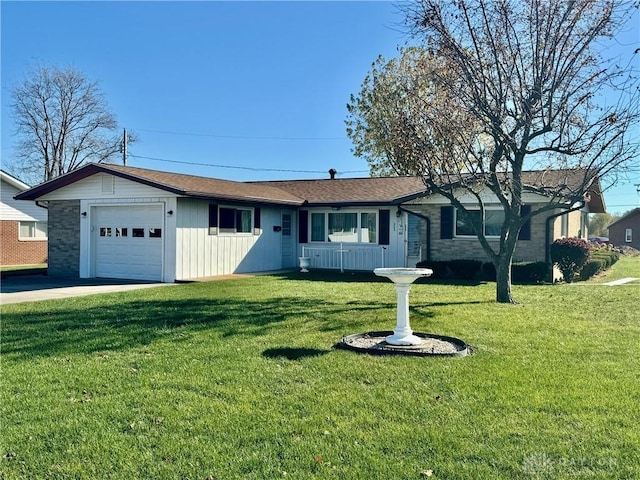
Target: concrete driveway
column 32, row 288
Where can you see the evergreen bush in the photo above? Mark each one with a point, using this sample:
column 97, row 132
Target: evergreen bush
column 440, row 268
column 465, row 269
column 591, row 268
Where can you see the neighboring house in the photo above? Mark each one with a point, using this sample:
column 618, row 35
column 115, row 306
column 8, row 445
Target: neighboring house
column 23, row 226
column 626, row 230
column 124, row 222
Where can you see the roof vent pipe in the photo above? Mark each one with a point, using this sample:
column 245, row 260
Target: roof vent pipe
column 332, row 173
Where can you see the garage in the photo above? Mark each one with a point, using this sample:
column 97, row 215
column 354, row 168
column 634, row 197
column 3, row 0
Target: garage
column 128, row 241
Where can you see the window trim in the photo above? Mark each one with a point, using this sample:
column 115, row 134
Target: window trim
column 628, row 235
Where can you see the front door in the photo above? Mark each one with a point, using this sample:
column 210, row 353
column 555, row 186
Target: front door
column 414, row 242
column 287, row 244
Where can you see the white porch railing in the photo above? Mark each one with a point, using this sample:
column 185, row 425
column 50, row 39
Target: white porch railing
column 346, row 257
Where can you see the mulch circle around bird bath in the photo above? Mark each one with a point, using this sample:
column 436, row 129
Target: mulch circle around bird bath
column 432, row 345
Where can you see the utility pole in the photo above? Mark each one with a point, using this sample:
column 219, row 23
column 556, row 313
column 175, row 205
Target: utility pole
column 124, row 147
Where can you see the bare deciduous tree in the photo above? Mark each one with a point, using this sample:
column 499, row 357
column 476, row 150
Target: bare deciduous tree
column 522, row 85
column 62, row 122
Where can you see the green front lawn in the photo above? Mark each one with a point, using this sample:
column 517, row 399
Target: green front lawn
column 239, row 379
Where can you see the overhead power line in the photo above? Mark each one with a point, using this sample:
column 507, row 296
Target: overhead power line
column 238, row 167
column 240, row 137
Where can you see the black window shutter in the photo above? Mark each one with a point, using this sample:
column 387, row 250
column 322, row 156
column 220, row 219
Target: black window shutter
column 303, row 226
column 385, row 224
column 213, row 215
column 446, row 222
column 525, row 231
column 256, row 218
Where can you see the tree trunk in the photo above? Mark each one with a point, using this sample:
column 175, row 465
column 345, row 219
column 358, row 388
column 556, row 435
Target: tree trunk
column 503, row 279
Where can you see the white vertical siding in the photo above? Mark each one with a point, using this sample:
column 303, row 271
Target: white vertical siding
column 202, row 255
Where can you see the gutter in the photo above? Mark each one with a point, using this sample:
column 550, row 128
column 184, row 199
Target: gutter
column 428, row 220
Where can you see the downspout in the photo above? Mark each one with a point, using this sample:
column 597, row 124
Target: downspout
column 43, row 204
column 428, row 220
column 547, row 246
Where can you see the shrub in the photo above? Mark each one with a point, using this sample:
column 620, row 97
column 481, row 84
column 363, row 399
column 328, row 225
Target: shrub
column 465, row 269
column 605, row 259
column 591, row 268
column 533, row 272
column 570, row 254
column 605, row 251
column 440, row 269
column 488, row 272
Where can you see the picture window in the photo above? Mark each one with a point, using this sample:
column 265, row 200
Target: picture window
column 347, row 227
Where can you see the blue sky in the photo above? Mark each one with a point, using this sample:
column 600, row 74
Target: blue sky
column 257, row 85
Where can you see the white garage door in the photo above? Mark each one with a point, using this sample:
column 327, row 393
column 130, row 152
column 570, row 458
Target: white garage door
column 128, row 242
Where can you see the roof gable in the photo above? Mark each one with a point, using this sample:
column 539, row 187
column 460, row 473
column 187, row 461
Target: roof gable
column 13, row 181
column 632, row 213
column 179, row 184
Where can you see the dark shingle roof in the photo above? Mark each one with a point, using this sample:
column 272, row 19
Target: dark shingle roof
column 352, row 191
column 325, row 192
column 180, row 184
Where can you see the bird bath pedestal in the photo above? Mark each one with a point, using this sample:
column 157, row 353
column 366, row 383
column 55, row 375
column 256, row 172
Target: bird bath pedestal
column 403, row 278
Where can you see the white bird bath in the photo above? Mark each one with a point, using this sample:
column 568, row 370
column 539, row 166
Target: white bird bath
column 403, row 278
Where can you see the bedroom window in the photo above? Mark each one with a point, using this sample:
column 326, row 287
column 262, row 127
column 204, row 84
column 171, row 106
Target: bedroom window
column 493, row 220
column 32, row 231
column 234, row 220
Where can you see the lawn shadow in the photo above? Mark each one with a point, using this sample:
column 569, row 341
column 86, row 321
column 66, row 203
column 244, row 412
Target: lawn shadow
column 365, row 277
column 290, row 353
column 111, row 324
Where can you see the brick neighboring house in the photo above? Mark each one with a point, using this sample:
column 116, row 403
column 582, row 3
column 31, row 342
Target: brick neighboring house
column 23, row 226
column 626, row 230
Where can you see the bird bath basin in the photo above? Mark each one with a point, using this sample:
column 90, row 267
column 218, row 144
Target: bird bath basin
column 403, row 278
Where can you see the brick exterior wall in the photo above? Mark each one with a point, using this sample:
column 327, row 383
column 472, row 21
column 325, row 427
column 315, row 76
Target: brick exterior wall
column 617, row 232
column 64, row 238
column 14, row 251
column 532, row 250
